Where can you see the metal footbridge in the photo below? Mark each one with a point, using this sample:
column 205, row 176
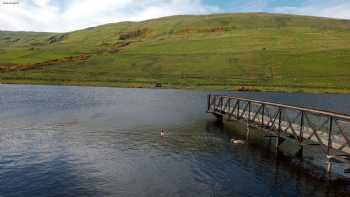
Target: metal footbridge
column 329, row 131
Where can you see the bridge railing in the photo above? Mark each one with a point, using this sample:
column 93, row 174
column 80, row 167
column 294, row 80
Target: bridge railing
column 307, row 126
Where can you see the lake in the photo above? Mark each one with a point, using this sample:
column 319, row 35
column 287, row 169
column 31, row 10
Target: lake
column 89, row 141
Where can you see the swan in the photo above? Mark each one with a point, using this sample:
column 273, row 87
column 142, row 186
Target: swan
column 234, row 141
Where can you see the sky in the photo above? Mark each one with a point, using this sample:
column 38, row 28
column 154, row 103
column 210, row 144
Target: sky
column 70, row 15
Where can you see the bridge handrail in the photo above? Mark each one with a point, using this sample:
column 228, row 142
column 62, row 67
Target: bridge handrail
column 304, row 109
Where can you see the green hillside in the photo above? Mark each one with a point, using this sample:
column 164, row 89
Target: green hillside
column 226, row 51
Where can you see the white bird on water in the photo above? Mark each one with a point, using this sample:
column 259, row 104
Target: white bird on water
column 234, row 141
column 162, row 133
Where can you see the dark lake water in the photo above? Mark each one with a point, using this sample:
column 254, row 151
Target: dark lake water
column 82, row 141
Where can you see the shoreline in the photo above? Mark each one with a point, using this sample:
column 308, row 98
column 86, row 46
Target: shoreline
column 237, row 88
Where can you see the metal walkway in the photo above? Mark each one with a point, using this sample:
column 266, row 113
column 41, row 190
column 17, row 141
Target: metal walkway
column 328, row 130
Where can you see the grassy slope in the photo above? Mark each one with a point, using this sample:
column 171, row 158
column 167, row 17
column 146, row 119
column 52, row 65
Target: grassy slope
column 268, row 51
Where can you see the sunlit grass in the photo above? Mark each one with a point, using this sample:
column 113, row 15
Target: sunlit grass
column 263, row 51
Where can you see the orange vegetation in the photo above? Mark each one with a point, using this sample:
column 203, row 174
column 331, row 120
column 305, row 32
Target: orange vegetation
column 205, row 30
column 17, row 67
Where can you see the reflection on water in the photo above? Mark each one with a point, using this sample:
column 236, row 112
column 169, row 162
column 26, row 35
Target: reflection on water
column 76, row 141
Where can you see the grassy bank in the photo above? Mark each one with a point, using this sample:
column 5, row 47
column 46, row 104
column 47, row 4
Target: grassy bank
column 264, row 52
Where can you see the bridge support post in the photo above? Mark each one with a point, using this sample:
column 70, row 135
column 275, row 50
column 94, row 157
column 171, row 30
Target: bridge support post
column 209, row 102
column 238, row 109
column 329, row 146
column 248, row 131
column 301, row 135
column 221, row 104
column 248, row 120
column 329, row 166
column 277, row 144
column 278, row 139
column 263, row 115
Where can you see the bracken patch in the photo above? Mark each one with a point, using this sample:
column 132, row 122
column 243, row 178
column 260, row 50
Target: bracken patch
column 19, row 67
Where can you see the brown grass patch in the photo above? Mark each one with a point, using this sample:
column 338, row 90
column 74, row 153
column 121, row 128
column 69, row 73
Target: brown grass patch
column 18, row 67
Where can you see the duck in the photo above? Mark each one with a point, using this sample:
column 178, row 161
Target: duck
column 234, row 141
column 162, row 133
